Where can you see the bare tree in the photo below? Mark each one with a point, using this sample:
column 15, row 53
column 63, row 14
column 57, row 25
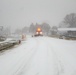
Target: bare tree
column 54, row 30
column 32, row 28
column 46, row 28
column 70, row 20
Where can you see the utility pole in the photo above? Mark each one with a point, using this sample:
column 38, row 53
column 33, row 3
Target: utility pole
column 1, row 28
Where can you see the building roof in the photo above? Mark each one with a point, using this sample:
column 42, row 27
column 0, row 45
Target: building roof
column 66, row 29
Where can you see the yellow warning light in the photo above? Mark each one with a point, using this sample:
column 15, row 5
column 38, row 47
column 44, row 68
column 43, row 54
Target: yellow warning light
column 38, row 29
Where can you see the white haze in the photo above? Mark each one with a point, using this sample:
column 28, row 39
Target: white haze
column 20, row 13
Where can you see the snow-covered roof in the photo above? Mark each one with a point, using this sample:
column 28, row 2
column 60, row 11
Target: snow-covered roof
column 66, row 29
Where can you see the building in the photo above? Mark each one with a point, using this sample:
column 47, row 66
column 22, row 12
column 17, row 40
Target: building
column 67, row 32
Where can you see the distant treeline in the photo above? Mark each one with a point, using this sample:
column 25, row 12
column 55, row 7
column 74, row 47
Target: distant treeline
column 69, row 21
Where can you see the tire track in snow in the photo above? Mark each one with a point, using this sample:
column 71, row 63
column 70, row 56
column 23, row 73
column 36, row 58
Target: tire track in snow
column 54, row 67
column 19, row 61
column 38, row 64
column 59, row 66
column 25, row 62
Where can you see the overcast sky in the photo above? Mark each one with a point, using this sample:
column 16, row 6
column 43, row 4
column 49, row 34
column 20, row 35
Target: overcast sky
column 20, row 13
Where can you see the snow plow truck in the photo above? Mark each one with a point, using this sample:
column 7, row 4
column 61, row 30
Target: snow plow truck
column 38, row 32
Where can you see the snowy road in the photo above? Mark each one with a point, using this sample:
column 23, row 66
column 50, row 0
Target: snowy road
column 40, row 56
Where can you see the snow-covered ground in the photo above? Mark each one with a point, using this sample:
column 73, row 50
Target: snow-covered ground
column 40, row 56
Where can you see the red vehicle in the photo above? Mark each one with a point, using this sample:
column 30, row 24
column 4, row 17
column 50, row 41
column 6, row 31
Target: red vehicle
column 38, row 32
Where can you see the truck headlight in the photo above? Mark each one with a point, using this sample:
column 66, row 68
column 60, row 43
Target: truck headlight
column 40, row 32
column 36, row 32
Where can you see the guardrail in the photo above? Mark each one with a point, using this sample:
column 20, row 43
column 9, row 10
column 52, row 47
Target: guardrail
column 9, row 44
